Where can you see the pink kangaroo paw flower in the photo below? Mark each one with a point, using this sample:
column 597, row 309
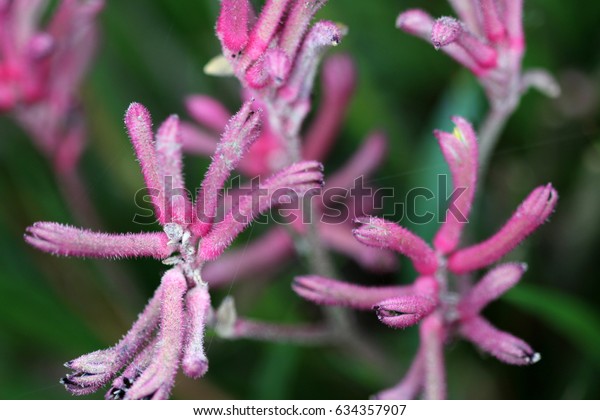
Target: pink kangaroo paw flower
column 468, row 12
column 197, row 306
column 380, row 233
column 505, row 347
column 74, row 242
column 460, row 151
column 232, row 25
column 139, row 127
column 229, row 326
column 241, row 131
column 322, row 35
column 208, row 112
column 492, row 21
column 266, row 26
column 296, row 180
column 339, row 238
column 513, row 19
column 94, row 370
column 338, row 82
column 178, row 207
column 141, row 362
column 324, row 291
column 534, row 211
column 158, row 378
column 415, row 22
column 447, row 30
column 278, row 65
column 411, row 384
column 433, row 336
column 493, row 285
column 418, row 23
column 252, row 261
column 197, row 141
column 297, row 24
column 363, row 163
column 404, row 311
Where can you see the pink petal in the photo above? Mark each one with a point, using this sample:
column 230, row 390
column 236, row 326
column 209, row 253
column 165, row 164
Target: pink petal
column 178, row 207
column 492, row 21
column 534, row 211
column 232, row 25
column 197, row 141
column 197, row 309
column 415, row 22
column 157, row 380
column 266, row 26
column 460, row 151
column 139, row 127
column 338, row 81
column 505, row 347
column 295, row 181
column 74, row 242
column 297, row 24
column 208, row 112
column 339, row 238
column 493, row 285
column 404, row 311
column 380, row 233
column 325, row 291
column 242, row 130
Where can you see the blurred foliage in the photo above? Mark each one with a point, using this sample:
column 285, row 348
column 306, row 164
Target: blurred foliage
column 52, row 310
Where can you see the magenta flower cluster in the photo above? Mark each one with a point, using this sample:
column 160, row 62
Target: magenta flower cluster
column 170, row 330
column 275, row 55
column 430, row 300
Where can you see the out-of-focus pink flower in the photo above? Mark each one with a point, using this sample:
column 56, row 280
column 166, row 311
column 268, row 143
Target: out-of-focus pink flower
column 41, row 69
column 488, row 40
column 429, row 301
column 268, row 154
column 170, row 331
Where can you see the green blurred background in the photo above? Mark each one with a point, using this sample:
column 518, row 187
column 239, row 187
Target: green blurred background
column 152, row 51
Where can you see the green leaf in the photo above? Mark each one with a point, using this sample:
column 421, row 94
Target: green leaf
column 569, row 316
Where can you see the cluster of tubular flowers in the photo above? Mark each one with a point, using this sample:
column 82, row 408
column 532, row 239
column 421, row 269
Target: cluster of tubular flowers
column 42, row 68
column 489, row 41
column 275, row 56
column 431, row 300
column 170, row 330
column 334, row 209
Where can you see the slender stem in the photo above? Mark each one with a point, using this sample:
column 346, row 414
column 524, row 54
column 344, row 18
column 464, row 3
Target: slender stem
column 489, row 133
column 340, row 320
column 298, row 334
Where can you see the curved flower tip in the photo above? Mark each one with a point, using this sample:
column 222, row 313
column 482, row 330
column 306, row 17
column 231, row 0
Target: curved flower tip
column 493, row 285
column 232, row 25
column 383, row 234
column 445, row 31
column 502, row 345
column 92, row 372
column 534, row 211
column 405, row 311
column 197, row 304
column 415, row 22
column 325, row 291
